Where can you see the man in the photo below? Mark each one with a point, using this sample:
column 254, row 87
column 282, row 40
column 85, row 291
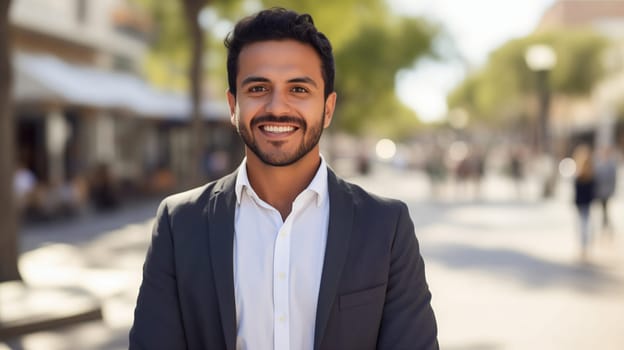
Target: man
column 282, row 254
column 605, row 171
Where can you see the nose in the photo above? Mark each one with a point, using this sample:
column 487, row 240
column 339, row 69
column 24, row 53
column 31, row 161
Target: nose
column 277, row 104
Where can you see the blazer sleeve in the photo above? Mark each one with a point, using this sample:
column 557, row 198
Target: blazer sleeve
column 157, row 317
column 408, row 321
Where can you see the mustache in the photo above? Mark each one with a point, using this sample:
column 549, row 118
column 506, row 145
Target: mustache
column 270, row 118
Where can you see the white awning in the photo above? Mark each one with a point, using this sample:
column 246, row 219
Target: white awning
column 47, row 78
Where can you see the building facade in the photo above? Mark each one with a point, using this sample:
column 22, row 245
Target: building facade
column 85, row 117
column 598, row 118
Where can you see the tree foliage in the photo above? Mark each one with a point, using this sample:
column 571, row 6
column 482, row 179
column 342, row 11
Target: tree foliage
column 371, row 45
column 183, row 30
column 167, row 61
column 500, row 88
column 367, row 66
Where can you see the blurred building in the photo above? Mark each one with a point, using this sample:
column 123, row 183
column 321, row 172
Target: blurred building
column 82, row 107
column 578, row 13
column 599, row 118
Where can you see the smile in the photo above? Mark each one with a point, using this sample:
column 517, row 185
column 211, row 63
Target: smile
column 277, row 129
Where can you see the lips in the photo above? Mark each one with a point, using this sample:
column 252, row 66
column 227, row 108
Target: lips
column 277, row 129
column 278, row 126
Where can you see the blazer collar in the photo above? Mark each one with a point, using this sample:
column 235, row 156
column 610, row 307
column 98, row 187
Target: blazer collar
column 341, row 212
column 220, row 216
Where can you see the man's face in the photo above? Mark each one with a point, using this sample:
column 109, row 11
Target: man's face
column 279, row 108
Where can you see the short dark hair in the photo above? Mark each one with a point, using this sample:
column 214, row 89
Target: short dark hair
column 279, row 24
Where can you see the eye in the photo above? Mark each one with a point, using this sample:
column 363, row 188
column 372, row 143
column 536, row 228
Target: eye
column 257, row 89
column 299, row 89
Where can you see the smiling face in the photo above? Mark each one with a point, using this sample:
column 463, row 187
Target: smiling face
column 279, row 108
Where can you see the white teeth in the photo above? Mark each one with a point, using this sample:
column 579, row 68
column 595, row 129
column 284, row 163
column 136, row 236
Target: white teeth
column 278, row 129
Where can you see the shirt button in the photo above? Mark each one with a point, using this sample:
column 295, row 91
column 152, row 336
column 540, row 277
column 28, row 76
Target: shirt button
column 282, row 276
column 282, row 319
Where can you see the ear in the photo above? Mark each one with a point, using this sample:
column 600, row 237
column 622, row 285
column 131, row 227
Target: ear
column 232, row 105
column 330, row 106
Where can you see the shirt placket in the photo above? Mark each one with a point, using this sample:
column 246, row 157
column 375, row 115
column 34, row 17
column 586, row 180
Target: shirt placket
column 281, row 283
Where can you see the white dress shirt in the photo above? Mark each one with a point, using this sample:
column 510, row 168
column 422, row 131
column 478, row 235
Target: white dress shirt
column 278, row 265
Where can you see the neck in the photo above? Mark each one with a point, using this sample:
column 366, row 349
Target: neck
column 279, row 186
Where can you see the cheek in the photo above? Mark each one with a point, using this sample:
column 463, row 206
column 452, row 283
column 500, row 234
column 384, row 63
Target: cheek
column 313, row 109
column 247, row 109
column 243, row 116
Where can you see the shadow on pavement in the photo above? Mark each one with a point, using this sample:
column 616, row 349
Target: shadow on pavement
column 83, row 229
column 523, row 268
column 426, row 213
column 89, row 335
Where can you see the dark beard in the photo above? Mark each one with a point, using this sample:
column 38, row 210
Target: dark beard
column 314, row 132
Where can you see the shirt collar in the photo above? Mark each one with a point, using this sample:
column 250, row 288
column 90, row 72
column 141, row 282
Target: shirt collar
column 318, row 184
column 241, row 180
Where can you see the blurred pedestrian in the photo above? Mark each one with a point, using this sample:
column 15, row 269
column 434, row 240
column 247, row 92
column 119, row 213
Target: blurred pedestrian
column 516, row 168
column 282, row 254
column 24, row 185
column 478, row 160
column 605, row 170
column 584, row 184
column 436, row 170
column 463, row 173
column 103, row 190
column 363, row 162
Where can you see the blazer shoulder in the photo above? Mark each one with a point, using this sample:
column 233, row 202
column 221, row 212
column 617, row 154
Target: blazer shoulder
column 198, row 197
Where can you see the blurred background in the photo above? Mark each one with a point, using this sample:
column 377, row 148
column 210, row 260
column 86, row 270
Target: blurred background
column 499, row 123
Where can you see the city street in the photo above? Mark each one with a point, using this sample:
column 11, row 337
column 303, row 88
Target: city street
column 500, row 124
column 503, row 266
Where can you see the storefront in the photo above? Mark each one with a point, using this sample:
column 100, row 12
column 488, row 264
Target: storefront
column 78, row 125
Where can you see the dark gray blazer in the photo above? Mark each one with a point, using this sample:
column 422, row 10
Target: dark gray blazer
column 373, row 292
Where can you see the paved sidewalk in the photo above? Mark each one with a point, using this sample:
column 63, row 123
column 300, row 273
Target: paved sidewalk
column 504, row 271
column 100, row 253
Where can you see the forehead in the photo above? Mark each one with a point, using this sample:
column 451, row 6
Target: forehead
column 279, row 58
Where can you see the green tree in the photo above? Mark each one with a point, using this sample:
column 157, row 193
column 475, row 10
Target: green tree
column 370, row 45
column 8, row 221
column 180, row 38
column 368, row 65
column 191, row 10
column 501, row 87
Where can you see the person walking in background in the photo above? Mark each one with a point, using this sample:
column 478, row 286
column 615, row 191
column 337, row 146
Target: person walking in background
column 282, row 254
column 605, row 172
column 24, row 186
column 584, row 194
column 436, row 170
column 516, row 168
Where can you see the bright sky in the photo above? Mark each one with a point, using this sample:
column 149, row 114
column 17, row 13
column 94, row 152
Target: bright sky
column 476, row 27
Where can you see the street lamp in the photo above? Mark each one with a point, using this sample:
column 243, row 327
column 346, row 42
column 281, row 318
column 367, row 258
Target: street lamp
column 541, row 59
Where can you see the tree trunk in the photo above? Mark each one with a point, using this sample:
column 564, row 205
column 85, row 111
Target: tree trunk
column 8, row 211
column 192, row 9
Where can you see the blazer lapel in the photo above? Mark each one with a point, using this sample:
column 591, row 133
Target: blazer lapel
column 220, row 216
column 339, row 231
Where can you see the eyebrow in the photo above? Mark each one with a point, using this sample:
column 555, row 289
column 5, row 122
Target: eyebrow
column 305, row 80
column 256, row 79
